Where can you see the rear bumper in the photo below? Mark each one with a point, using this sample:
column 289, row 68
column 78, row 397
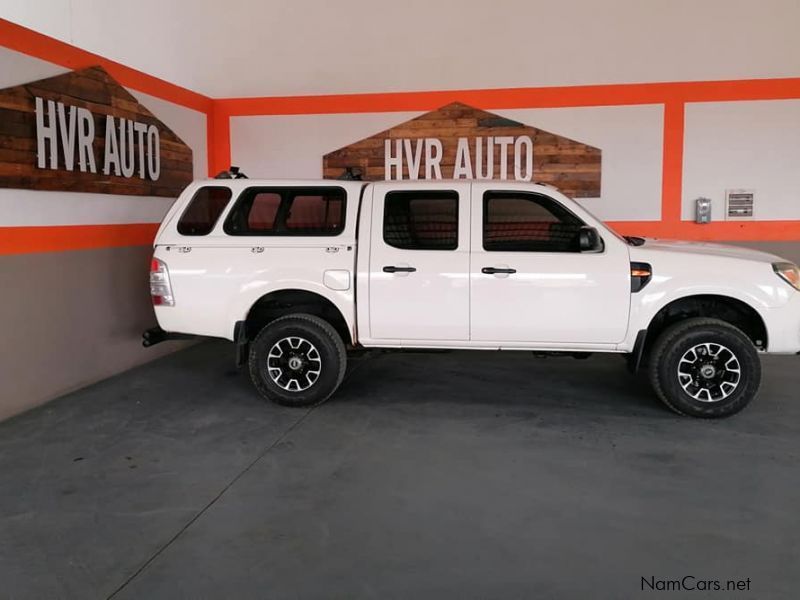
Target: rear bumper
column 156, row 335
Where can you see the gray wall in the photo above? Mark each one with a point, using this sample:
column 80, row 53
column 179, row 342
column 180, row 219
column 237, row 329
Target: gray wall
column 69, row 319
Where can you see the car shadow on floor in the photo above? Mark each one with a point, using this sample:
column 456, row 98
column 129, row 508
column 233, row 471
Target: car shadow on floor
column 599, row 384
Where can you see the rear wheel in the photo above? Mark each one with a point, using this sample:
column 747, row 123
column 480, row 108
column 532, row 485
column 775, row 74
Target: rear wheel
column 705, row 368
column 297, row 360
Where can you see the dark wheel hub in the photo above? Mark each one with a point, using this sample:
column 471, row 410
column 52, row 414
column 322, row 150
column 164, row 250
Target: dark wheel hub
column 294, row 363
column 709, row 372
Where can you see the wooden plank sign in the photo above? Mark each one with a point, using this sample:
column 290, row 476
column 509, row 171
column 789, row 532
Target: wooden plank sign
column 461, row 142
column 84, row 132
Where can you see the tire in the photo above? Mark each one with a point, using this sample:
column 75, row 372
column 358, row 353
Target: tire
column 693, row 365
column 297, row 360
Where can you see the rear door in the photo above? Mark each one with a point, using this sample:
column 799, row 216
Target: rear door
column 531, row 285
column 419, row 262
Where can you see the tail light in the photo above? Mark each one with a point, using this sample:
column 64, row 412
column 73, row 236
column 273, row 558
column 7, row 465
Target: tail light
column 160, row 287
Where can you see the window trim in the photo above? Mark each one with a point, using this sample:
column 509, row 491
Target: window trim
column 423, row 192
column 189, row 205
column 531, row 194
column 280, row 216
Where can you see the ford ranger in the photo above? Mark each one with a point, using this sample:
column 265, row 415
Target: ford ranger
column 297, row 272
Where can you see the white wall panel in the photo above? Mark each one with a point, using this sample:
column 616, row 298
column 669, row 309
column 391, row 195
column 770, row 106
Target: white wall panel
column 278, row 47
column 51, row 17
column 751, row 145
column 293, row 146
column 32, row 207
column 188, row 124
column 630, row 138
column 17, row 68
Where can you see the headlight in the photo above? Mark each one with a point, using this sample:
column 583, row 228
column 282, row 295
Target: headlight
column 788, row 272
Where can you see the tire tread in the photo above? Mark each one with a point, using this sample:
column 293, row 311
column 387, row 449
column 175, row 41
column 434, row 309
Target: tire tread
column 666, row 340
column 326, row 329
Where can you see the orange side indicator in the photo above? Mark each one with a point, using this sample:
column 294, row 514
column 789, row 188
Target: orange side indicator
column 641, row 273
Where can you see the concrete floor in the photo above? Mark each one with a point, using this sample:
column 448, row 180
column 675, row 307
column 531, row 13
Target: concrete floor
column 463, row 475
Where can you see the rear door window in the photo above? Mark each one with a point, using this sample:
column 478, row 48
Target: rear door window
column 421, row 220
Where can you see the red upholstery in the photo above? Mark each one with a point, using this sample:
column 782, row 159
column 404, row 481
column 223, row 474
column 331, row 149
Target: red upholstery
column 435, row 230
column 519, row 231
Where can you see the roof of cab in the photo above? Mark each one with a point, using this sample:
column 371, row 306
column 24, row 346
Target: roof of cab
column 356, row 183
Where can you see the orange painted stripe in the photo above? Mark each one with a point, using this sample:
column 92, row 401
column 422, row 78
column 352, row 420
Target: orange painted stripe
column 210, row 146
column 717, row 231
column 672, row 162
column 24, row 40
column 60, row 238
column 219, row 152
column 532, row 97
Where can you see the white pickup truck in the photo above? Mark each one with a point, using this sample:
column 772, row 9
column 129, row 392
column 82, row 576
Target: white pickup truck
column 295, row 272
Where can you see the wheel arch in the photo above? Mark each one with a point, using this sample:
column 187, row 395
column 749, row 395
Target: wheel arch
column 726, row 308
column 281, row 302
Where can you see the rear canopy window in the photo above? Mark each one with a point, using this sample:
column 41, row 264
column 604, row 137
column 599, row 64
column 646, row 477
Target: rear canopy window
column 263, row 211
column 203, row 210
column 288, row 211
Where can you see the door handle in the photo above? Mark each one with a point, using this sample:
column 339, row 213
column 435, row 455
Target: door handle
column 496, row 270
column 393, row 269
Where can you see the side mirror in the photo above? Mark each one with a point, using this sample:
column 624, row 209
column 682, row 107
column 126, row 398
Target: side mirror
column 589, row 240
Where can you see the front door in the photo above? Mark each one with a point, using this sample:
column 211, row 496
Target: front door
column 530, row 282
column 419, row 263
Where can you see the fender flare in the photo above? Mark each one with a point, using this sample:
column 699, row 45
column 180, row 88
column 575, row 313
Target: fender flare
column 245, row 302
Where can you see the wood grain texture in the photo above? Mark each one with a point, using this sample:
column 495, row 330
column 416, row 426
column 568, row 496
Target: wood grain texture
column 95, row 90
column 572, row 166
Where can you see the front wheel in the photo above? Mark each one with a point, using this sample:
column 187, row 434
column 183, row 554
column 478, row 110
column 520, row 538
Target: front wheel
column 705, row 368
column 297, row 360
